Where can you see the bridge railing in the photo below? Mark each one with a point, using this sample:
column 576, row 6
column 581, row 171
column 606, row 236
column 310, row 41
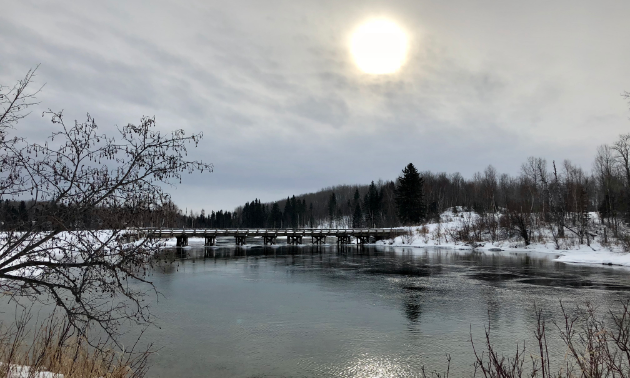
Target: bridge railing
column 267, row 231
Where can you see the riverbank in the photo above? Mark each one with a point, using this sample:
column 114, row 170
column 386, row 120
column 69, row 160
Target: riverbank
column 448, row 231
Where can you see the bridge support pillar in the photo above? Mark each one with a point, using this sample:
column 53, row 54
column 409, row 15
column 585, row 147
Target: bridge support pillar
column 343, row 239
column 210, row 241
column 182, row 241
column 294, row 239
column 363, row 239
column 130, row 237
column 269, row 239
column 318, row 239
column 240, row 239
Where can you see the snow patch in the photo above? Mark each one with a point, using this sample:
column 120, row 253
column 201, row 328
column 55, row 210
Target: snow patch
column 441, row 234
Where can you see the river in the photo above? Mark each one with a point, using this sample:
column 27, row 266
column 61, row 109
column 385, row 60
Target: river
column 372, row 312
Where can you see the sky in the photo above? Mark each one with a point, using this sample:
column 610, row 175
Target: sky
column 284, row 108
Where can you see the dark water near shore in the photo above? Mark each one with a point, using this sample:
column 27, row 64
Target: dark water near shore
column 375, row 312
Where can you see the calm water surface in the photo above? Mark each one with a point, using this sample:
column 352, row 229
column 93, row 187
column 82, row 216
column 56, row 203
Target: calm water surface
column 375, row 312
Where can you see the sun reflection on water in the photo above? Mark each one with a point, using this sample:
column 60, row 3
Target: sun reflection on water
column 378, row 367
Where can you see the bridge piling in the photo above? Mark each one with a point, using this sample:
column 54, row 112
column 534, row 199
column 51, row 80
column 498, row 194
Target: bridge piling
column 240, row 239
column 343, row 239
column 362, row 239
column 318, row 239
column 294, row 239
column 269, row 239
column 210, row 241
column 294, row 236
column 182, row 241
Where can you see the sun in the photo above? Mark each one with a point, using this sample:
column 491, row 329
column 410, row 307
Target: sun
column 379, row 47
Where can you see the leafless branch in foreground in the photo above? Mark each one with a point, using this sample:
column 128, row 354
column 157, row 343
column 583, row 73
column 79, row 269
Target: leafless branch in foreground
column 84, row 189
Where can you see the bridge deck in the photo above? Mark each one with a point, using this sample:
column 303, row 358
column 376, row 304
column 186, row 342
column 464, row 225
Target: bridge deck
column 199, row 232
column 294, row 236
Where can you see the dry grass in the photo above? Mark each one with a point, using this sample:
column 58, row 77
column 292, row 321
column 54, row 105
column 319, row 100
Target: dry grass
column 54, row 350
column 597, row 346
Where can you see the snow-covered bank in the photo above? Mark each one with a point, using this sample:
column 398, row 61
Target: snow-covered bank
column 19, row 371
column 603, row 257
column 192, row 241
column 444, row 234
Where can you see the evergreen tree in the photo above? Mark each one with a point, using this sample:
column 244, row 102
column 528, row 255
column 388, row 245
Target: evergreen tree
column 302, row 213
column 245, row 214
column 295, row 210
column 275, row 218
column 357, row 217
column 332, row 207
column 372, row 204
column 288, row 213
column 22, row 213
column 409, row 196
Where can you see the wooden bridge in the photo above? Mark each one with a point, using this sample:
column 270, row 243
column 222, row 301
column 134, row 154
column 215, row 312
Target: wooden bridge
column 294, row 236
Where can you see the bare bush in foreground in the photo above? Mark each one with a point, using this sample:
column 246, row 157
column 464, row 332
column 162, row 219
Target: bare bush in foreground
column 85, row 190
column 597, row 346
column 54, row 349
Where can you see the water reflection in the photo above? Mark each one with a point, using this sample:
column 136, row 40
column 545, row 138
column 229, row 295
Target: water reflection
column 352, row 312
column 411, row 305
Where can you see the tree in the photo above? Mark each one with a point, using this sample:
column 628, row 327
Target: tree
column 332, row 207
column 622, row 149
column 275, row 217
column 294, row 213
column 91, row 273
column 372, row 204
column 357, row 216
column 409, row 196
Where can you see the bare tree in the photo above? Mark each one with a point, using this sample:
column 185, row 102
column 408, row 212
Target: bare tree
column 14, row 103
column 605, row 172
column 86, row 189
column 622, row 148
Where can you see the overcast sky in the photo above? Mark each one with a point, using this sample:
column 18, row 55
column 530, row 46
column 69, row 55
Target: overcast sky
column 283, row 107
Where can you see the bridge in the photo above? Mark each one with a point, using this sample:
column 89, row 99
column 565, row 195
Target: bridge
column 294, row 236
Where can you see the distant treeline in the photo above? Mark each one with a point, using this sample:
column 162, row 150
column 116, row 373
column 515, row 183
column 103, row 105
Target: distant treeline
column 330, row 207
column 49, row 215
column 561, row 193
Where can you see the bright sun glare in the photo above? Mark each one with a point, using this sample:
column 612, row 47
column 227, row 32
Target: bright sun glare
column 379, row 47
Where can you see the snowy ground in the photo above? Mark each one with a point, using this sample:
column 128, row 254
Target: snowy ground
column 570, row 251
column 18, row 371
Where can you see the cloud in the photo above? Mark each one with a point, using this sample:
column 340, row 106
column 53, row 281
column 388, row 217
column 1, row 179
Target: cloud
column 323, row 110
column 283, row 108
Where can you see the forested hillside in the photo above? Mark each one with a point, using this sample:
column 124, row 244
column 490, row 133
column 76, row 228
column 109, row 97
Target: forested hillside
column 559, row 193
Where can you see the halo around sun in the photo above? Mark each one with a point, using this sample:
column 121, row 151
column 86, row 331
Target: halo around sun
column 379, row 47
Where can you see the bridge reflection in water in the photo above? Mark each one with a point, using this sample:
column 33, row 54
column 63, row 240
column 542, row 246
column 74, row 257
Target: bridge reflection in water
column 226, row 252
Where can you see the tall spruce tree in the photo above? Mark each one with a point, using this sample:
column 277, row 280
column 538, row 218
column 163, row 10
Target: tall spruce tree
column 372, row 204
column 357, row 217
column 294, row 212
column 332, row 207
column 275, row 217
column 288, row 213
column 409, row 196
